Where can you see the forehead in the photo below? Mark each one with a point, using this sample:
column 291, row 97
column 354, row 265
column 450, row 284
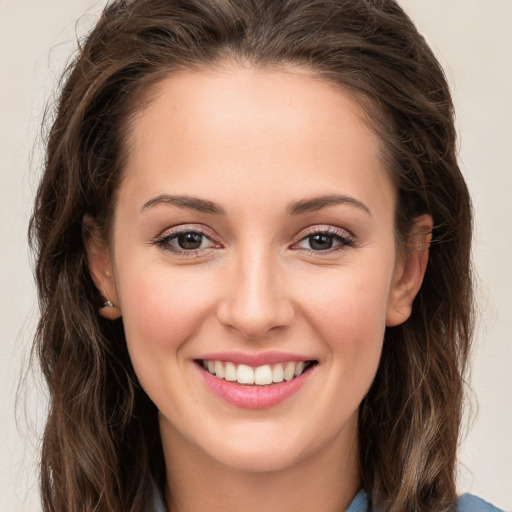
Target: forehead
column 247, row 131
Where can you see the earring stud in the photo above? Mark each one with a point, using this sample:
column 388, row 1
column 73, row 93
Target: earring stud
column 109, row 304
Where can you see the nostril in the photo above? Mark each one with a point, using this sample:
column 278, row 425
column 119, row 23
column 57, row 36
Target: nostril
column 253, row 321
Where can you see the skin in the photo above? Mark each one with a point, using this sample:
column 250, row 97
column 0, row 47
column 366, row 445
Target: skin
column 254, row 141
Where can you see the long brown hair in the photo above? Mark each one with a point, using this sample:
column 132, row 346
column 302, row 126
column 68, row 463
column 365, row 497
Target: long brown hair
column 101, row 448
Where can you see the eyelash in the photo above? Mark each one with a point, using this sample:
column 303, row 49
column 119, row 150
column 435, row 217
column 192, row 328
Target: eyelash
column 344, row 240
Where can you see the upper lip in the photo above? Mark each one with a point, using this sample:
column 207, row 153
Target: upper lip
column 255, row 359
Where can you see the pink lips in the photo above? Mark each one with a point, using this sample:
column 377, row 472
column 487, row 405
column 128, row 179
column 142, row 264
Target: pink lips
column 253, row 397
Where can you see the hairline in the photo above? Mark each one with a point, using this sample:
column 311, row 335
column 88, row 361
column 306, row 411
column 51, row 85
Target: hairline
column 368, row 110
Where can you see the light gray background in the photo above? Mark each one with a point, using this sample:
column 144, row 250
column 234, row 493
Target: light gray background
column 473, row 40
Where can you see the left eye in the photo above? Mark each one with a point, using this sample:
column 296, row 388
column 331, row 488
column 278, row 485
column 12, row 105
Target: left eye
column 323, row 241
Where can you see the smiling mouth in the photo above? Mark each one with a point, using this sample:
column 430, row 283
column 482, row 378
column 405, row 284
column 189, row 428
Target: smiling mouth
column 256, row 376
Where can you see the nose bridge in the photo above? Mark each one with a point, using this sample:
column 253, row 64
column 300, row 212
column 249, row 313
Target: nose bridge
column 255, row 299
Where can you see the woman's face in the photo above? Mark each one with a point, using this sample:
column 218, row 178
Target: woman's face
column 254, row 235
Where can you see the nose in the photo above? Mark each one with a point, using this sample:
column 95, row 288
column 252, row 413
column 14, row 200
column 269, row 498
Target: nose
column 254, row 300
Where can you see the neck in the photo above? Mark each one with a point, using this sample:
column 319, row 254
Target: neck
column 326, row 481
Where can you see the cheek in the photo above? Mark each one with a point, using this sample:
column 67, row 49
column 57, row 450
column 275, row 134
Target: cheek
column 349, row 302
column 162, row 308
column 348, row 314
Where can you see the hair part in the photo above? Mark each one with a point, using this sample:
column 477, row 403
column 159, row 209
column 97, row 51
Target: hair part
column 101, row 447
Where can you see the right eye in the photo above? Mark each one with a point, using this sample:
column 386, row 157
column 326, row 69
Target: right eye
column 185, row 242
column 189, row 240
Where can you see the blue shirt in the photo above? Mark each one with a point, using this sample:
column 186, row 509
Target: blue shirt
column 466, row 503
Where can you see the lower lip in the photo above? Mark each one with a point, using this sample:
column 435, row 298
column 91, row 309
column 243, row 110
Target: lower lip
column 253, row 397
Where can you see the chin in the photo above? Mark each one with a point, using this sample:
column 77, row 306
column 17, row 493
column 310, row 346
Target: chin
column 255, row 458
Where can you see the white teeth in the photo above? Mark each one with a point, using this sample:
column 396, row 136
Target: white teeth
column 263, row 375
column 299, row 368
column 289, row 371
column 219, row 369
column 260, row 376
column 230, row 372
column 245, row 374
column 278, row 373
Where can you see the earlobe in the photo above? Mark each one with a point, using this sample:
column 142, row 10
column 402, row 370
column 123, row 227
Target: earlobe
column 100, row 267
column 110, row 311
column 410, row 272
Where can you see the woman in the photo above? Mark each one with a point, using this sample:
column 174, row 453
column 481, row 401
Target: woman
column 253, row 261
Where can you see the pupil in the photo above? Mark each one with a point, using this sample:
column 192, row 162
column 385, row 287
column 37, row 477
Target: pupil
column 190, row 240
column 320, row 242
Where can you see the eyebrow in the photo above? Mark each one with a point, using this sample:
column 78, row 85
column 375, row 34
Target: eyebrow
column 294, row 208
column 317, row 203
column 189, row 202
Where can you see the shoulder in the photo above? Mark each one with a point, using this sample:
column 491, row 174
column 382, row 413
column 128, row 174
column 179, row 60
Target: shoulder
column 470, row 503
column 466, row 503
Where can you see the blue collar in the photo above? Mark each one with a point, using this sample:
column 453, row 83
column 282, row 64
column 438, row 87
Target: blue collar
column 466, row 503
column 358, row 504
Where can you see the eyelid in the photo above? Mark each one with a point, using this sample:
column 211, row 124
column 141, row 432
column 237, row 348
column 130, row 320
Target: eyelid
column 325, row 229
column 186, row 228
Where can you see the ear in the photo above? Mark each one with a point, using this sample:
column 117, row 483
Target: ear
column 409, row 272
column 100, row 267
